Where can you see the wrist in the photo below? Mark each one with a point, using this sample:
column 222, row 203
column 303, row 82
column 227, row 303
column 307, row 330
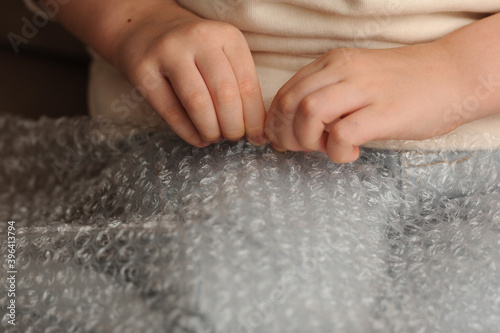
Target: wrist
column 474, row 50
column 119, row 28
column 105, row 25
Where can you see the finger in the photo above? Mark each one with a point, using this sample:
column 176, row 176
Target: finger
column 317, row 111
column 311, row 68
column 279, row 129
column 163, row 99
column 223, row 87
column 286, row 106
column 356, row 129
column 192, row 92
column 254, row 112
column 276, row 119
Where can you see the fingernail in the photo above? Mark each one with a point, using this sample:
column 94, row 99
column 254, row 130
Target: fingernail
column 260, row 140
column 218, row 140
column 204, row 144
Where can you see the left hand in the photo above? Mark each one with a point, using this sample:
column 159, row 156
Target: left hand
column 349, row 97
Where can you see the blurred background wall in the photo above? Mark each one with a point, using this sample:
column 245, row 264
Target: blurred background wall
column 48, row 76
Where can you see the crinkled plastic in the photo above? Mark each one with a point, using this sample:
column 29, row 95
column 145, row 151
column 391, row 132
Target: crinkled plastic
column 139, row 232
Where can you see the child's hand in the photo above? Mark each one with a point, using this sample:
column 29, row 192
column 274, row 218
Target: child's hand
column 197, row 74
column 351, row 96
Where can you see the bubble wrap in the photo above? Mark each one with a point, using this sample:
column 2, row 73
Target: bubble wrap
column 139, row 232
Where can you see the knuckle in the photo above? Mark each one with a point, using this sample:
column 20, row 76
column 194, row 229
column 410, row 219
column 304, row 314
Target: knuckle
column 340, row 133
column 227, row 93
column 334, row 52
column 309, row 106
column 204, row 30
column 140, row 69
column 197, row 29
column 198, row 100
column 286, row 103
column 165, row 43
column 229, row 30
column 228, row 27
column 248, row 88
column 142, row 64
column 342, row 56
column 344, row 51
column 279, row 96
column 332, row 56
column 168, row 45
column 172, row 116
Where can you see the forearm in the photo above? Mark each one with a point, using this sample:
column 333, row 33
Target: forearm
column 104, row 24
column 475, row 49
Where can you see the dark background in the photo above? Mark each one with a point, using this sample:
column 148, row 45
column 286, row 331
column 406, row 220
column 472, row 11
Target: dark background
column 49, row 74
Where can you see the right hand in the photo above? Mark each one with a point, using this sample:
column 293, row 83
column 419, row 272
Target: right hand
column 206, row 86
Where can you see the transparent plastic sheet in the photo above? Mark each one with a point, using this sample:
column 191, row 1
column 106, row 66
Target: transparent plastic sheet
column 139, row 232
